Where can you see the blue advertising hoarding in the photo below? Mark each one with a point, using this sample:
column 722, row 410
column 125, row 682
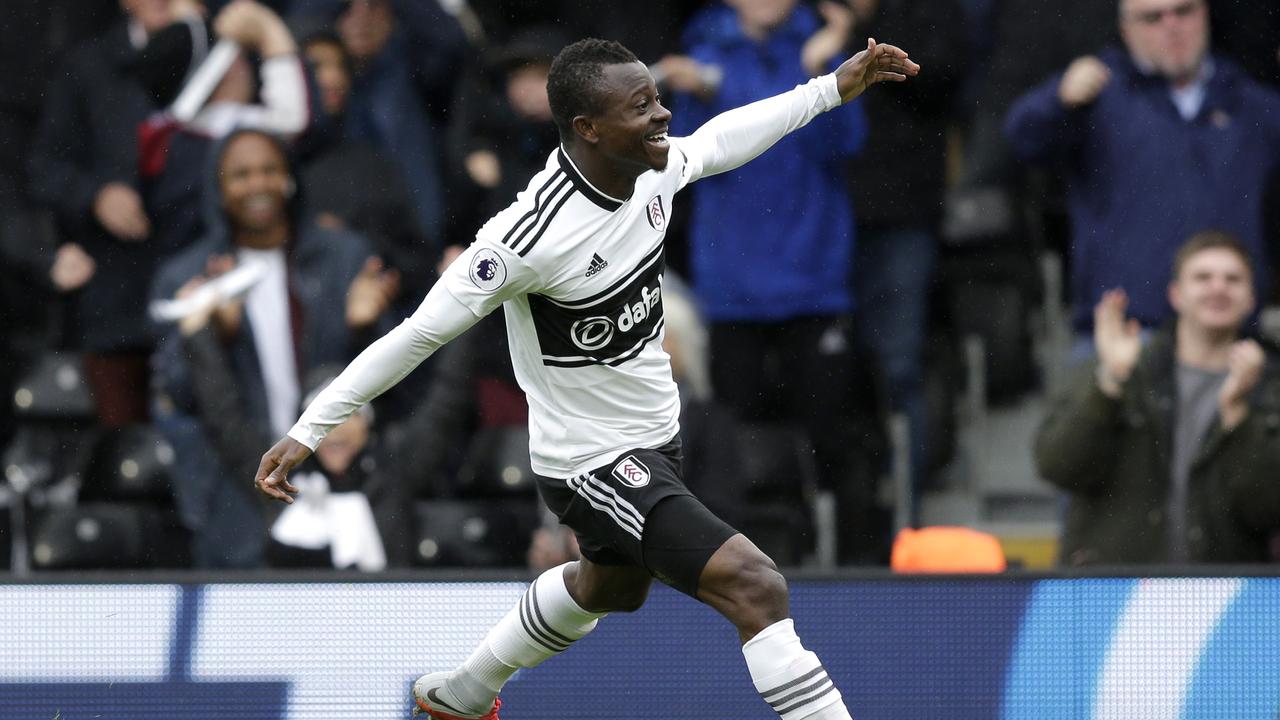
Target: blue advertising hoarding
column 981, row 649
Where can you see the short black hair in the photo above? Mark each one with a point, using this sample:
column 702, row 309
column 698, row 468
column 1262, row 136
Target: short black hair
column 573, row 83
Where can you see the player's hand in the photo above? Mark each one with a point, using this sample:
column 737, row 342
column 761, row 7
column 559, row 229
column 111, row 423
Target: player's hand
column 1244, row 369
column 272, row 479
column 118, row 208
column 1083, row 81
column 1118, row 341
column 878, row 63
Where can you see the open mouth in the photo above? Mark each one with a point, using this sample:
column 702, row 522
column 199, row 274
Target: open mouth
column 657, row 140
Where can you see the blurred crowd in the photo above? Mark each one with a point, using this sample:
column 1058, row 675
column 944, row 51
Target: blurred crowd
column 208, row 207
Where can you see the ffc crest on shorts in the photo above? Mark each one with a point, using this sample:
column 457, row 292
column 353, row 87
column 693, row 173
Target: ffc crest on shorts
column 631, row 472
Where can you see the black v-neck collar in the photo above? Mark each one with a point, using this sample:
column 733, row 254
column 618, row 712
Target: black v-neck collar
column 583, row 185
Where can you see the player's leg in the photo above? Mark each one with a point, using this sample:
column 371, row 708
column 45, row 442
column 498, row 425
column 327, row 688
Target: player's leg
column 559, row 608
column 691, row 549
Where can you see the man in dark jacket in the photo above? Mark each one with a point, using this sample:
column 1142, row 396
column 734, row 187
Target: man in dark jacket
column 84, row 166
column 1160, row 140
column 1171, row 450
column 317, row 291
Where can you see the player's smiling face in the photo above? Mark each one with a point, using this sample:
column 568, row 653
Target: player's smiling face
column 632, row 124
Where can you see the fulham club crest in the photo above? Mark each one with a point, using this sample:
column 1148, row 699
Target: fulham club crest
column 631, row 472
column 657, row 217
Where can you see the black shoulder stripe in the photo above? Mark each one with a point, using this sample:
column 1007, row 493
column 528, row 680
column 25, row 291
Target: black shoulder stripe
column 537, row 204
column 545, row 224
column 548, row 202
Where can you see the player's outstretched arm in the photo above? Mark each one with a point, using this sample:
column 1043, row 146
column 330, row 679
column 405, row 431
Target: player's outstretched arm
column 734, row 137
column 878, row 63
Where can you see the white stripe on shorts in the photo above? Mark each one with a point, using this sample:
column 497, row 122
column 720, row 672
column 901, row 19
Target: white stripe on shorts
column 606, row 504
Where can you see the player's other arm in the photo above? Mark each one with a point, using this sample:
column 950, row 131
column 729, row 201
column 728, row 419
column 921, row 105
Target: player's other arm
column 453, row 305
column 733, row 138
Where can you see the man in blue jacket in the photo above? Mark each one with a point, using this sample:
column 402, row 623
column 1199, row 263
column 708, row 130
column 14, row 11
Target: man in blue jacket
column 771, row 243
column 1160, row 140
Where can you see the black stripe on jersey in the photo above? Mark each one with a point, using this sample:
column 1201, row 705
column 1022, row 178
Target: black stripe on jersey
column 633, row 351
column 538, row 206
column 583, row 186
column 654, row 256
column 545, row 223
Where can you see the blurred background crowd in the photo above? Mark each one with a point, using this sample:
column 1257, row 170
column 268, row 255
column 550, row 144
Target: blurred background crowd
column 1054, row 244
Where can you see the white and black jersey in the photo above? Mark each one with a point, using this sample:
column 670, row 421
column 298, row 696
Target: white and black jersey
column 580, row 276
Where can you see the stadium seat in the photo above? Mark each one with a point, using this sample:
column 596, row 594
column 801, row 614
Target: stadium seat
column 55, row 388
column 473, row 533
column 497, row 464
column 107, row 535
column 43, row 454
column 777, row 481
column 131, row 463
column 991, row 283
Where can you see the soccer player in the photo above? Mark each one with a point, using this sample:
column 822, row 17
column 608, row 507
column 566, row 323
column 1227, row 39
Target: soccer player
column 577, row 262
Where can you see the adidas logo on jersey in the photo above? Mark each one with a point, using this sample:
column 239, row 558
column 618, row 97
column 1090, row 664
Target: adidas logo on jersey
column 597, row 264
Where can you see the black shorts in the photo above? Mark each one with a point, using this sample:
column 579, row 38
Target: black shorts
column 615, row 511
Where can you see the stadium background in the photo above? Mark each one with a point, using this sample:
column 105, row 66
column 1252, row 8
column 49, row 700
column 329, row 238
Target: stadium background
column 1020, row 647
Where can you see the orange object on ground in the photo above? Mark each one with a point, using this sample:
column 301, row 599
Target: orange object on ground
column 946, row 550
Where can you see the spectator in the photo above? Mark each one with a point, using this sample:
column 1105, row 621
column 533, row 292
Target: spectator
column 1171, row 449
column 83, row 166
column 771, row 243
column 174, row 153
column 503, row 126
column 337, row 525
column 1029, row 41
column 407, row 54
column 1159, row 140
column 319, row 290
column 352, row 184
column 897, row 185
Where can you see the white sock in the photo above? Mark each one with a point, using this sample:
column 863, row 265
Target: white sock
column 543, row 624
column 790, row 678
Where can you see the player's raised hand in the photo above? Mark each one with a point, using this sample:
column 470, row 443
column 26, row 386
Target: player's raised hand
column 878, row 63
column 272, row 479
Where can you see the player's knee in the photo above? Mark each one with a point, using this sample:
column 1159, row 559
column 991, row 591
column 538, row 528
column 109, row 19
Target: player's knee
column 761, row 585
column 754, row 592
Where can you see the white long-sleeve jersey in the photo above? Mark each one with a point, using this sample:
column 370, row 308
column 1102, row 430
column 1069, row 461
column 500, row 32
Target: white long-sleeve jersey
column 580, row 276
